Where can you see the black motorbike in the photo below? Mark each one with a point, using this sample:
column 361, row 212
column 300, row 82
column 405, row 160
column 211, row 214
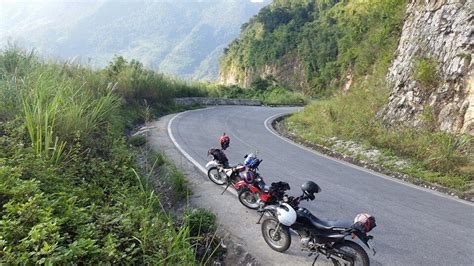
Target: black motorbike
column 317, row 236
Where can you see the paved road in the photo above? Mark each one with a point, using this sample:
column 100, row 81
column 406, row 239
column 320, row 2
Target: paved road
column 414, row 226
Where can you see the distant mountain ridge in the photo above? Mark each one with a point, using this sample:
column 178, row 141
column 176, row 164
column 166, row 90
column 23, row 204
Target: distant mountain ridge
column 182, row 38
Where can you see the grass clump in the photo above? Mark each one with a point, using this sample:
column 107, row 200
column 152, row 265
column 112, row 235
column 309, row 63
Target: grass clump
column 200, row 221
column 176, row 179
column 137, row 141
column 425, row 72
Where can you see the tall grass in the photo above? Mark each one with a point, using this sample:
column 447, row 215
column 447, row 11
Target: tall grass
column 67, row 191
column 58, row 106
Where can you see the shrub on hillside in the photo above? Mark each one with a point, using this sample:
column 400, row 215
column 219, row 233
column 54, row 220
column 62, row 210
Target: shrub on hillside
column 426, row 73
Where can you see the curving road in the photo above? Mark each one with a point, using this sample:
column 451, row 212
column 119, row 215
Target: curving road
column 414, row 226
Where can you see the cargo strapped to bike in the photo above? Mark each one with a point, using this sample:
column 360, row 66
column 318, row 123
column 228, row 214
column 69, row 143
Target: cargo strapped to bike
column 279, row 186
column 364, row 222
column 219, row 156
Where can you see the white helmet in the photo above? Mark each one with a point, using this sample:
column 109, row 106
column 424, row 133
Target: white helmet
column 286, row 214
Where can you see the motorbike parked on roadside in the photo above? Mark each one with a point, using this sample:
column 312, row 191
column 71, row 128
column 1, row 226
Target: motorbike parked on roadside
column 317, row 236
column 219, row 171
column 258, row 196
column 254, row 193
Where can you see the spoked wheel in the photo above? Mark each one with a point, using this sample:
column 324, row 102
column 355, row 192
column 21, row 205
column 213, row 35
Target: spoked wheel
column 248, row 199
column 351, row 253
column 216, row 176
column 276, row 235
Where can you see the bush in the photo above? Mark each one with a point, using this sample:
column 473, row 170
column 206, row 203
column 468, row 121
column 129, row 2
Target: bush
column 138, row 140
column 425, row 72
column 200, row 221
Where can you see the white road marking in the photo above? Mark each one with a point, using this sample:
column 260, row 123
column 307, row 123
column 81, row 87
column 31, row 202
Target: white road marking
column 273, row 117
column 185, row 154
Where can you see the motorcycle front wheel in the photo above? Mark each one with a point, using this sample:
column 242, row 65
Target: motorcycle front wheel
column 216, row 176
column 248, row 199
column 276, row 235
column 352, row 252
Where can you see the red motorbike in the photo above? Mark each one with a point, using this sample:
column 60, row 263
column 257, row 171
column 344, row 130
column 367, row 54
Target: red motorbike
column 257, row 194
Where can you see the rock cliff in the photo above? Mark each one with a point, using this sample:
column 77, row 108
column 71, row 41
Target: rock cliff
column 289, row 72
column 432, row 72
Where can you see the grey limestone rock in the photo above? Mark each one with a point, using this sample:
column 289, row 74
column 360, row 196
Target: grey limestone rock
column 442, row 31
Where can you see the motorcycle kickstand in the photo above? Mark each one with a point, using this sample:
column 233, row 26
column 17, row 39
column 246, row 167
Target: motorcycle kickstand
column 261, row 216
column 226, row 188
column 315, row 258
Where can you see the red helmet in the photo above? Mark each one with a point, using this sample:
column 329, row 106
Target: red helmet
column 224, row 140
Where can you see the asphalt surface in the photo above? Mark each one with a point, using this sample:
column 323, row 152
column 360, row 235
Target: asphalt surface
column 414, row 226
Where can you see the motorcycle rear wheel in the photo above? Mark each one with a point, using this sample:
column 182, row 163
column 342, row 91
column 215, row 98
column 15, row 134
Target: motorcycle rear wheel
column 277, row 240
column 355, row 250
column 248, row 199
column 216, row 176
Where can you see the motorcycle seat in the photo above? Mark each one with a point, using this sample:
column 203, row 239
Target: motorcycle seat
column 326, row 225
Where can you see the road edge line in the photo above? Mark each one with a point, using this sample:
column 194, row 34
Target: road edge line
column 183, row 152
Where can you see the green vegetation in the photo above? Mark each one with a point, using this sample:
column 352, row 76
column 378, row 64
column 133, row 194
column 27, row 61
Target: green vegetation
column 426, row 73
column 334, row 39
column 330, row 38
column 68, row 188
column 137, row 141
column 268, row 91
column 200, row 221
column 436, row 157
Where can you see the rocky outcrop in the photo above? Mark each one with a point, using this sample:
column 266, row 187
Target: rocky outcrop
column 440, row 31
column 289, row 72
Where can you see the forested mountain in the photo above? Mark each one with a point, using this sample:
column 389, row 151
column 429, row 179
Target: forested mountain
column 178, row 37
column 424, row 48
column 312, row 45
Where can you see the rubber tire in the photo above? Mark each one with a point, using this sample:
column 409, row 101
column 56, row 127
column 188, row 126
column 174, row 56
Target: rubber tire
column 355, row 247
column 283, row 230
column 212, row 179
column 241, row 192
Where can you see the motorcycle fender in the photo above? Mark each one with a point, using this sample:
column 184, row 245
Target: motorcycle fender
column 239, row 184
column 211, row 164
column 253, row 189
column 228, row 172
column 366, row 239
column 270, row 208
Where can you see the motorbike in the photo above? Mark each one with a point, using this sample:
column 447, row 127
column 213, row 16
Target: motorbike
column 319, row 237
column 256, row 194
column 220, row 173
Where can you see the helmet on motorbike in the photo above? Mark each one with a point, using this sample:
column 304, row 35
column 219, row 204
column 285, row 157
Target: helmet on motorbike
column 225, row 141
column 248, row 176
column 251, row 160
column 286, row 214
column 309, row 188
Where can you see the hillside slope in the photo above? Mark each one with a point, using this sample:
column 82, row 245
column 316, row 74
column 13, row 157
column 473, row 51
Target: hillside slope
column 175, row 37
column 395, row 76
column 312, row 46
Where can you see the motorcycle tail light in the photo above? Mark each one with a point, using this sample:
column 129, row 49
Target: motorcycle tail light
column 264, row 197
